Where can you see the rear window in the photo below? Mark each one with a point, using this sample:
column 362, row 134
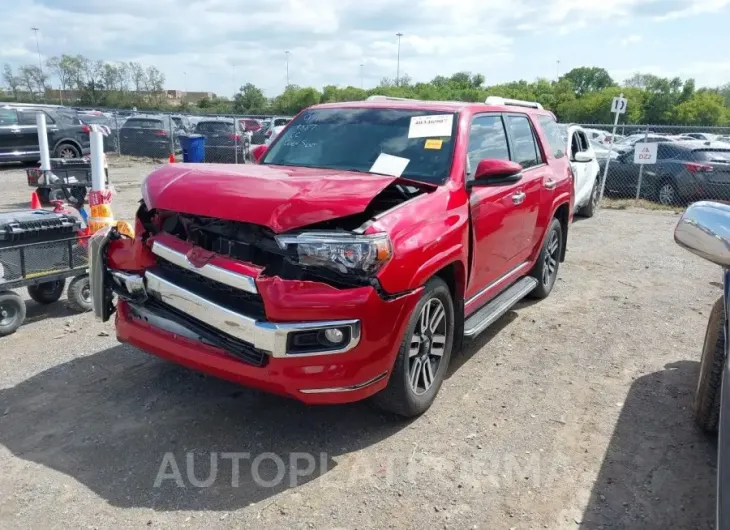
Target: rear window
column 96, row 119
column 280, row 122
column 214, row 127
column 554, row 135
column 8, row 117
column 713, row 156
column 137, row 123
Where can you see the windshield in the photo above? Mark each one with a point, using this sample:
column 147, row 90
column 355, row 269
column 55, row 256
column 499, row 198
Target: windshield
column 215, row 127
column 352, row 139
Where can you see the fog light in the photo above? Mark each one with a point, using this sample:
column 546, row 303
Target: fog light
column 334, row 335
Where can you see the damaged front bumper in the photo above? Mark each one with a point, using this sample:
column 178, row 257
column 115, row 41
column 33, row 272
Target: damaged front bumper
column 174, row 322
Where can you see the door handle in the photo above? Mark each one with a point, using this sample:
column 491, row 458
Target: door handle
column 16, row 131
column 518, row 197
column 550, row 184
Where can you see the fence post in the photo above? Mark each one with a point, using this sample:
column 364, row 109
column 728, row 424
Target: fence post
column 117, row 131
column 172, row 135
column 641, row 169
column 235, row 141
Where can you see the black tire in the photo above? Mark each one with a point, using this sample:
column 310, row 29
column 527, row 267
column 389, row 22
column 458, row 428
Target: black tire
column 589, row 210
column 66, row 150
column 47, row 292
column 707, row 395
column 666, row 193
column 399, row 396
column 545, row 270
column 12, row 312
column 79, row 294
column 44, row 195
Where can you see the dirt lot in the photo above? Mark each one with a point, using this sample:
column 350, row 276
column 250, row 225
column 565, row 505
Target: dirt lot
column 574, row 412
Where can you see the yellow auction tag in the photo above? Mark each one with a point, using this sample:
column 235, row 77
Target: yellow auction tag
column 433, row 143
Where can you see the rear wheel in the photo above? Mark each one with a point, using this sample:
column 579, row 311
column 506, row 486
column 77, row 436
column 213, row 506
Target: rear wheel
column 12, row 312
column 667, row 194
column 545, row 270
column 47, row 292
column 66, row 150
column 707, row 395
column 79, row 294
column 424, row 354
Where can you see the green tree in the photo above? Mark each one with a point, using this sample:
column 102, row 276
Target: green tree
column 589, row 79
column 250, row 99
column 703, row 108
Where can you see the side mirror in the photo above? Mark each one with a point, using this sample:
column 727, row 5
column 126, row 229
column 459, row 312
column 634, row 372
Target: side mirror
column 493, row 171
column 582, row 156
column 704, row 229
column 258, row 152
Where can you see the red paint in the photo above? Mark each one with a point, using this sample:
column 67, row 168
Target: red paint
column 496, row 168
column 480, row 233
column 281, row 198
column 259, row 151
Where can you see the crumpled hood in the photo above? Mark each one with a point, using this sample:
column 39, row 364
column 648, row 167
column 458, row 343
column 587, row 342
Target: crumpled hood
column 281, row 198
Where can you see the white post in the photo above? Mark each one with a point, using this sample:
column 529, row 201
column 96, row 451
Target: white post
column 98, row 182
column 610, row 152
column 641, row 169
column 40, row 120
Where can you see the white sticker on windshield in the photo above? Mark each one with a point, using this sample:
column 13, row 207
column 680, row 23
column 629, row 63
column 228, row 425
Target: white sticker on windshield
column 431, row 126
column 389, row 165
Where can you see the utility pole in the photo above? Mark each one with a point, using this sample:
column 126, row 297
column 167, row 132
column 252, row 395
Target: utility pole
column 287, row 67
column 397, row 68
column 40, row 63
column 557, row 70
column 362, row 83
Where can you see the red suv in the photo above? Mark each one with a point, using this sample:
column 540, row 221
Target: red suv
column 353, row 258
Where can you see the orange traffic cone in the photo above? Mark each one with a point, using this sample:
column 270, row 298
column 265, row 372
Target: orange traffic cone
column 172, row 158
column 35, row 202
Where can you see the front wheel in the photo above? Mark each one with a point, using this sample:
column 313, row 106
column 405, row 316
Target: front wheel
column 667, row 194
column 707, row 395
column 79, row 294
column 423, row 356
column 545, row 270
column 67, row 151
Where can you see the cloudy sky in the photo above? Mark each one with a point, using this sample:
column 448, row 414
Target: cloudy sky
column 218, row 45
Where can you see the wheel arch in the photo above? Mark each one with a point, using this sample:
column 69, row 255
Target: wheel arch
column 562, row 214
column 71, row 141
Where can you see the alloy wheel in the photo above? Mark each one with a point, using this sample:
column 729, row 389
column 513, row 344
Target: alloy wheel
column 551, row 258
column 67, row 152
column 427, row 346
column 666, row 194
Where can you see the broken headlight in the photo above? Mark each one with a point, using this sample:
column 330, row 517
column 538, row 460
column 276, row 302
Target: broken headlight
column 344, row 253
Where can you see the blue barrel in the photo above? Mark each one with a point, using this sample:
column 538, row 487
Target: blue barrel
column 193, row 148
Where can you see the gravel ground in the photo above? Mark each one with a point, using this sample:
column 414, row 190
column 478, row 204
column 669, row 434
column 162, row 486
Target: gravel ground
column 574, row 412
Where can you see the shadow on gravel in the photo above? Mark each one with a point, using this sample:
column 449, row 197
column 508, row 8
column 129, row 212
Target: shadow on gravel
column 35, row 312
column 109, row 419
column 659, row 469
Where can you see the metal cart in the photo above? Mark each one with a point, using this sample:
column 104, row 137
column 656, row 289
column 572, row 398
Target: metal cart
column 68, row 180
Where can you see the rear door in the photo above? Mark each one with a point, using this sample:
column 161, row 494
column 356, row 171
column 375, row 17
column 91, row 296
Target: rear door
column 536, row 182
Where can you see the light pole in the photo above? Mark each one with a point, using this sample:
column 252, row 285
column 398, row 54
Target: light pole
column 362, row 83
column 287, row 68
column 557, row 70
column 397, row 68
column 40, row 63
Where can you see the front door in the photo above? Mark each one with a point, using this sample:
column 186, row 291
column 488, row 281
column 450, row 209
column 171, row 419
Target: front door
column 498, row 212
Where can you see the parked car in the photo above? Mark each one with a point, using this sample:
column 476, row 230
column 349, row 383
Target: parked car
column 68, row 137
column 627, row 144
column 149, row 135
column 353, row 258
column 110, row 141
column 598, row 135
column 226, row 140
column 704, row 136
column 183, row 123
column 251, row 125
column 267, row 129
column 684, row 171
column 585, row 169
column 704, row 229
column 602, row 152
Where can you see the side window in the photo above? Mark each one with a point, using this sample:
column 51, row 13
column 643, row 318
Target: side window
column 574, row 145
column 523, row 140
column 8, row 117
column 552, row 131
column 583, row 139
column 666, row 152
column 487, row 139
column 28, row 117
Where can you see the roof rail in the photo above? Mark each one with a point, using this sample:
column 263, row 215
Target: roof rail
column 497, row 100
column 377, row 97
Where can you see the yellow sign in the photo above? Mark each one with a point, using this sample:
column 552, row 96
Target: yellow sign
column 433, row 143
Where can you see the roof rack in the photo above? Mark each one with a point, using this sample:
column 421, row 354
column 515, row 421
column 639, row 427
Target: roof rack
column 497, row 100
column 377, row 97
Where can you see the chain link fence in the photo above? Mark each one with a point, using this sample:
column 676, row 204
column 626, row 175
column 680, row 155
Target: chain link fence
column 690, row 163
